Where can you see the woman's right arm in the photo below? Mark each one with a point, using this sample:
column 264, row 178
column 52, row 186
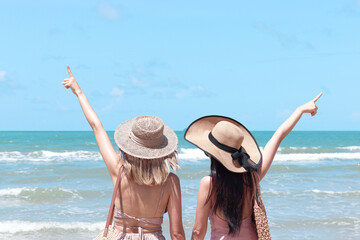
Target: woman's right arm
column 202, row 209
column 107, row 151
column 174, row 209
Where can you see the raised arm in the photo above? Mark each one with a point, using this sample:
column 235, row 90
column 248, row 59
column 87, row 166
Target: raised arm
column 285, row 128
column 106, row 149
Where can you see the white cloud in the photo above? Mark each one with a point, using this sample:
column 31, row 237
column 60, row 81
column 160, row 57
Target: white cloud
column 136, row 82
column 108, row 11
column 3, row 75
column 117, row 92
column 197, row 91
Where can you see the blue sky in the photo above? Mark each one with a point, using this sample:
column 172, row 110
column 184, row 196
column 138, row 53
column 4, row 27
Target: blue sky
column 255, row 61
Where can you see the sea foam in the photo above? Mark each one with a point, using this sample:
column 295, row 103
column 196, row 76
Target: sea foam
column 327, row 192
column 27, row 226
column 350, row 148
column 49, row 156
column 36, row 193
column 190, row 154
column 315, row 156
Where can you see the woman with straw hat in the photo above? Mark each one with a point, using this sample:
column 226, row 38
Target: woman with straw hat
column 146, row 189
column 230, row 196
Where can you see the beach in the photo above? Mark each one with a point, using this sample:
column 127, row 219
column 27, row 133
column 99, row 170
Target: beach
column 54, row 185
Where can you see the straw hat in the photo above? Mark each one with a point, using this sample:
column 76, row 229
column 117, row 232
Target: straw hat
column 226, row 140
column 146, row 137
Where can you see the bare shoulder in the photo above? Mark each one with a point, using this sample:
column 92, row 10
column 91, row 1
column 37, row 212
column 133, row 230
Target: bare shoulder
column 172, row 186
column 173, row 179
column 205, row 182
column 204, row 191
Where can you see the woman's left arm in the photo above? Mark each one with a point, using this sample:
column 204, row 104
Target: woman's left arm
column 202, row 209
column 174, row 209
column 285, row 128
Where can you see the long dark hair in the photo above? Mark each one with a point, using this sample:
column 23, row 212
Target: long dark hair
column 229, row 189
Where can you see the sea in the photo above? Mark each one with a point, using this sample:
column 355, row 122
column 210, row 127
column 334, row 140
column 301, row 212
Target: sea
column 55, row 185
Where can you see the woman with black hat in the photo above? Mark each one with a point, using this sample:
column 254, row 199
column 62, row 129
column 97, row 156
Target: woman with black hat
column 230, row 196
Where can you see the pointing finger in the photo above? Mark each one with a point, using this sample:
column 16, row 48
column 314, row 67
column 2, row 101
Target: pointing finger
column 69, row 71
column 317, row 97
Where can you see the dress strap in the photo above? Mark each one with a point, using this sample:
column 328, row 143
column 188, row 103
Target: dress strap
column 121, row 176
column 119, row 187
column 112, row 204
column 161, row 195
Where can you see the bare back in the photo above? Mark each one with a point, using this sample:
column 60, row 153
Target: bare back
column 142, row 202
column 248, row 205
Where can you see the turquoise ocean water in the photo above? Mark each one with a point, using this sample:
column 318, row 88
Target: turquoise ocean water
column 54, row 185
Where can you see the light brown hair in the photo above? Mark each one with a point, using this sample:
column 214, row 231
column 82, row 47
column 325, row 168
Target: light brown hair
column 150, row 172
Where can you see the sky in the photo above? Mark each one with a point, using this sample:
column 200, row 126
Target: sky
column 254, row 61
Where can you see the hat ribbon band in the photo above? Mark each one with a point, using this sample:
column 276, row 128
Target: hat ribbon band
column 243, row 157
column 146, row 142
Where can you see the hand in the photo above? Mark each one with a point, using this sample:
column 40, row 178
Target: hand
column 310, row 107
column 71, row 82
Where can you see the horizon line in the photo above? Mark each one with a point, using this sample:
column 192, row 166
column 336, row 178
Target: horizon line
column 174, row 130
